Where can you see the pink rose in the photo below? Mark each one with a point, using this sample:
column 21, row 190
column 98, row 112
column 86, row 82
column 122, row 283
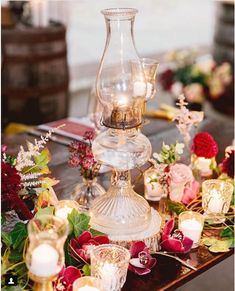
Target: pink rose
column 180, row 173
column 190, row 192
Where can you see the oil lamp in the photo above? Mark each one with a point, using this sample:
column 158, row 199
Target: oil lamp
column 122, row 89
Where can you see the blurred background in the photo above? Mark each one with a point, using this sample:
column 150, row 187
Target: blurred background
column 51, row 51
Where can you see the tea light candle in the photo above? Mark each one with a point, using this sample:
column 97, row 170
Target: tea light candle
column 192, row 229
column 64, row 207
column 143, row 89
column 44, row 262
column 215, row 204
column 203, row 166
column 191, row 224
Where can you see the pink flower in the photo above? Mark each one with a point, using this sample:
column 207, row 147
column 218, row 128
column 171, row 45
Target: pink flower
column 66, row 278
column 190, row 192
column 81, row 246
column 194, row 93
column 141, row 261
column 180, row 173
column 175, row 241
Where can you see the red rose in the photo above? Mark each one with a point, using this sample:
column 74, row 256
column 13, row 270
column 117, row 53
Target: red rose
column 204, row 145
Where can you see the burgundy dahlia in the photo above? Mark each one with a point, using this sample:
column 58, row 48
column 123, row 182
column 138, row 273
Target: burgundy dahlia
column 204, row 145
column 11, row 185
column 228, row 164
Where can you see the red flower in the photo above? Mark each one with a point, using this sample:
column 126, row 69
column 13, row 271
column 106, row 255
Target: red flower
column 228, row 164
column 81, row 246
column 167, row 79
column 11, row 185
column 175, row 241
column 204, row 145
column 66, row 278
column 89, row 135
column 141, row 261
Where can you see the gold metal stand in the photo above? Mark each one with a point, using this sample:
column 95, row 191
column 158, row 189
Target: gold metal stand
column 42, row 283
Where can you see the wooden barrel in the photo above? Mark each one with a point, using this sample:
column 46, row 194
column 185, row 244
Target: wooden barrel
column 223, row 49
column 34, row 75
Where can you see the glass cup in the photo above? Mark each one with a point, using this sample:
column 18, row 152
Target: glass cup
column 153, row 190
column 45, row 254
column 87, row 283
column 191, row 224
column 109, row 263
column 216, row 198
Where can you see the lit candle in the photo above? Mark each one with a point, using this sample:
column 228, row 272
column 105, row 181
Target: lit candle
column 203, row 165
column 39, row 12
column 108, row 275
column 143, row 89
column 153, row 189
column 64, row 207
column 44, row 262
column 63, row 212
column 215, row 203
column 192, row 229
column 191, row 224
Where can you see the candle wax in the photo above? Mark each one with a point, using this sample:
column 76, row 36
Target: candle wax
column 215, row 204
column 192, row 229
column 204, row 166
column 108, row 275
column 44, row 262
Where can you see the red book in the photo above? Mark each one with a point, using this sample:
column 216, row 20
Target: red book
column 73, row 128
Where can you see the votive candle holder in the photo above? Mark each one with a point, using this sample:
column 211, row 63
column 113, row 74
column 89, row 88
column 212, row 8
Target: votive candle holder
column 109, row 263
column 191, row 224
column 216, row 198
column 87, row 283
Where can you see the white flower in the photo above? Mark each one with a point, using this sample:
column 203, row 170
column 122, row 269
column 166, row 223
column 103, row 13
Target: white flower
column 158, row 157
column 176, row 88
column 179, row 148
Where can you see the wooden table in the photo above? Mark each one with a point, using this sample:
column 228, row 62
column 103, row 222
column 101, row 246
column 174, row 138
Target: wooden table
column 168, row 274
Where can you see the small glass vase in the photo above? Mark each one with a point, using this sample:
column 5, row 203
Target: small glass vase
column 201, row 168
column 86, row 192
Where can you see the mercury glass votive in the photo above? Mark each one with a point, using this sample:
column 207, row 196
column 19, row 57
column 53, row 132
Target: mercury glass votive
column 216, row 198
column 64, row 207
column 87, row 283
column 45, row 254
column 153, row 190
column 109, row 263
column 191, row 224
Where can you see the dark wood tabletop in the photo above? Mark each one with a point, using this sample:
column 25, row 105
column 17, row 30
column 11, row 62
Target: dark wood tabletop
column 168, row 274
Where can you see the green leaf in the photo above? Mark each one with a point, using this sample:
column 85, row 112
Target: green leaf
column 11, row 288
column 43, row 158
column 79, row 222
column 227, row 232
column 45, row 211
column 95, row 232
column 15, row 256
column 221, row 246
column 69, row 260
column 176, row 207
column 3, row 219
column 6, row 238
column 18, row 235
column 218, row 245
column 86, row 270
